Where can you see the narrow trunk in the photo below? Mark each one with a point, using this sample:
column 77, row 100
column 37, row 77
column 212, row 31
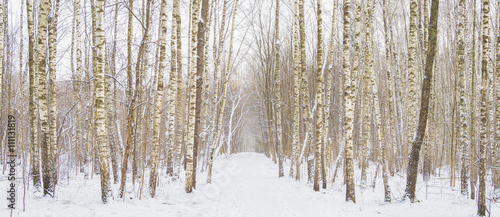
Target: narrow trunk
column 111, row 109
column 319, row 143
column 307, row 120
column 366, row 105
column 171, row 97
column 485, row 72
column 412, row 73
column 383, row 149
column 77, row 80
column 329, row 82
column 52, row 92
column 462, row 104
column 473, row 153
column 131, row 101
column 33, row 101
column 190, row 156
column 296, row 93
column 370, row 85
column 178, row 100
column 279, row 141
column 158, row 101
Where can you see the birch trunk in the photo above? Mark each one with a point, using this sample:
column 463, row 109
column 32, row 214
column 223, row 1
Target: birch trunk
column 279, row 140
column 473, row 152
column 100, row 110
column 383, row 149
column 206, row 94
column 485, row 72
column 190, row 156
column 76, row 75
column 412, row 71
column 158, row 101
column 319, row 143
column 366, row 104
column 357, row 42
column 369, row 82
column 307, row 120
column 296, row 84
column 111, row 108
column 52, row 92
column 200, row 69
column 33, row 79
column 424, row 104
column 329, row 81
column 22, row 98
column 462, row 103
column 171, row 97
column 43, row 16
column 178, row 100
column 349, row 100
column 131, row 100
column 358, row 115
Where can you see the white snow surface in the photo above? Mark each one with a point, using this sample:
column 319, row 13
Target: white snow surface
column 245, row 184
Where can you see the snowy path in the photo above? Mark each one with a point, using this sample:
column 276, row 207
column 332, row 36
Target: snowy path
column 255, row 190
column 245, row 185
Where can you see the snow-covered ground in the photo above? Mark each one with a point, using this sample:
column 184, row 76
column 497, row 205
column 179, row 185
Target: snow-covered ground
column 245, row 184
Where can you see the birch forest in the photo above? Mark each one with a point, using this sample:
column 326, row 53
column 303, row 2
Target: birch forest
column 250, row 108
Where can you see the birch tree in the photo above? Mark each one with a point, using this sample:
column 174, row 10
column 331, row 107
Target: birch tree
column 113, row 128
column 48, row 185
column 366, row 100
column 33, row 92
column 158, row 101
column 52, row 92
column 171, row 95
column 296, row 92
column 279, row 141
column 349, row 100
column 411, row 180
column 412, row 70
column 77, row 76
column 329, row 82
column 383, row 146
column 100, row 110
column 462, row 103
column 485, row 72
column 307, row 120
column 473, row 169
column 131, row 101
column 178, row 100
column 319, row 142
column 195, row 7
column 203, row 26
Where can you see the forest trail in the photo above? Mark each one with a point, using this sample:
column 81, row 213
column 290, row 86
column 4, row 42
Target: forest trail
column 250, row 186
